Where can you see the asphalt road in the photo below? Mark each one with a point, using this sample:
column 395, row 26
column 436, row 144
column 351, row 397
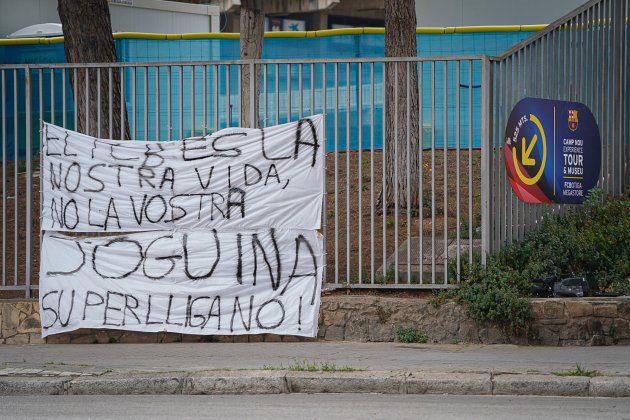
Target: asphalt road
column 313, row 406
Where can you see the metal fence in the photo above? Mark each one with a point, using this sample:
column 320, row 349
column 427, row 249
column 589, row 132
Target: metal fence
column 583, row 57
column 452, row 200
column 368, row 243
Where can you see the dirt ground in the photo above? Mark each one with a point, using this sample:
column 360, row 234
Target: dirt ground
column 360, row 227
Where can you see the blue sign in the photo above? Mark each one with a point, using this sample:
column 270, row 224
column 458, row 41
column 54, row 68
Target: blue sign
column 552, row 151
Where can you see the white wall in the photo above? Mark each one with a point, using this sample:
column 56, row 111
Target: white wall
column 127, row 19
column 16, row 15
column 148, row 16
column 491, row 12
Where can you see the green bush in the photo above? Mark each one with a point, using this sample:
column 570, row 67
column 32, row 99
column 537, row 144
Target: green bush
column 591, row 240
column 496, row 295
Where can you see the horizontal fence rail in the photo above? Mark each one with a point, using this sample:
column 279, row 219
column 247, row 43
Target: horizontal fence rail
column 583, row 57
column 405, row 222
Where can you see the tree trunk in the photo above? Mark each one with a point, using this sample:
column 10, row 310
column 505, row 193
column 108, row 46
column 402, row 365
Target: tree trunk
column 87, row 32
column 401, row 107
column 252, row 33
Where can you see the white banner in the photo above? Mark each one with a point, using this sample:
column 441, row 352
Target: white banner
column 235, row 178
column 202, row 282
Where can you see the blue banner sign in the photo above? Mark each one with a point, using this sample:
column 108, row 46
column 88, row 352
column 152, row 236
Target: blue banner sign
column 552, row 151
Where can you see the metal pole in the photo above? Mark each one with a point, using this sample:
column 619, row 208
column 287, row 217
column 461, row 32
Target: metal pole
column 29, row 181
column 486, row 150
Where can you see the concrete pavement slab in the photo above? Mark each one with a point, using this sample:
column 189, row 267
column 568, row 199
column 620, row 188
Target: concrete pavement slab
column 96, row 358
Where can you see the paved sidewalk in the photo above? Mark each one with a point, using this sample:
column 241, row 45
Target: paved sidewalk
column 217, row 368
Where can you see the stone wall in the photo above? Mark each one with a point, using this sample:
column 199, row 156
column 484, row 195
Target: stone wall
column 19, row 322
column 558, row 322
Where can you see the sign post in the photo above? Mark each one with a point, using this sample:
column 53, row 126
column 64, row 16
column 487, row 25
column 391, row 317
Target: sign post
column 552, row 151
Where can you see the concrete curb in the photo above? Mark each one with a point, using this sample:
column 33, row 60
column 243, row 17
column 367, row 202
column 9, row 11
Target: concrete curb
column 283, row 382
column 564, row 386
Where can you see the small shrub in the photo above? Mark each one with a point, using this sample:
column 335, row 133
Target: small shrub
column 410, row 335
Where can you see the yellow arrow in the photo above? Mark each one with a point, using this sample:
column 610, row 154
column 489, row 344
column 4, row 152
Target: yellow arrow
column 521, row 175
column 528, row 161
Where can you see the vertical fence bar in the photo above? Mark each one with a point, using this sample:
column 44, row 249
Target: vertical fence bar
column 336, row 172
column 266, row 94
column 325, row 204
column 421, row 173
column 4, row 178
column 253, row 99
column 98, row 103
column 313, row 89
column 181, row 101
column 193, row 131
column 64, row 120
column 40, row 97
column 277, row 86
column 301, row 91
column 384, row 173
column 627, row 89
column 16, row 184
column 457, row 169
column 289, row 92
column 216, row 97
column 372, row 209
column 360, row 163
column 510, row 212
column 445, row 184
column 228, row 100
column 110, row 102
column 433, row 172
column 52, row 95
column 134, row 112
column 157, row 104
column 348, row 247
column 75, row 95
column 87, row 101
column 169, row 104
column 486, row 151
column 471, row 209
column 28, row 82
column 396, row 158
column 204, row 101
column 498, row 210
column 618, row 21
column 123, row 114
column 408, row 180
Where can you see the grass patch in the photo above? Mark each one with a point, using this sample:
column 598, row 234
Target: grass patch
column 410, row 335
column 578, row 371
column 308, row 366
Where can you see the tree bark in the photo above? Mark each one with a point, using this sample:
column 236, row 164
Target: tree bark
column 252, row 33
column 87, row 32
column 401, row 107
